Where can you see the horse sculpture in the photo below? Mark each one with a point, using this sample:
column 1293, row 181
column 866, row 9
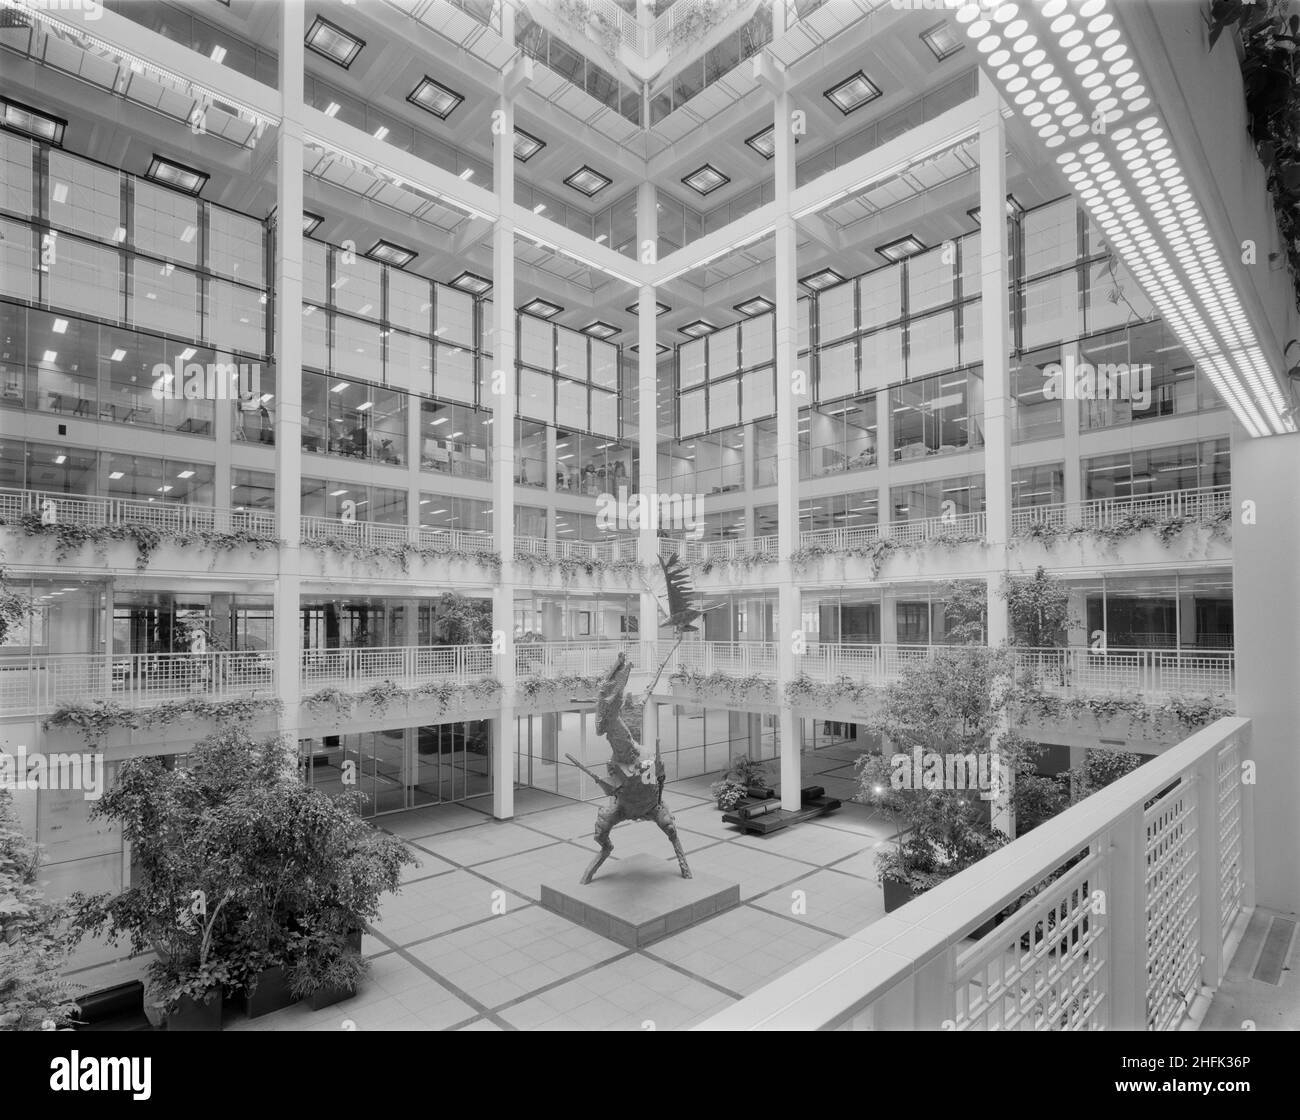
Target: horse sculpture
column 636, row 783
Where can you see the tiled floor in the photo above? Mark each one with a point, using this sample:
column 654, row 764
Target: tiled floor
column 466, row 945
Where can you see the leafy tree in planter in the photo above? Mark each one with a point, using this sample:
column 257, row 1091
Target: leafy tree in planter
column 1038, row 607
column 462, row 621
column 34, row 940
column 241, row 866
column 953, row 704
column 965, row 607
column 15, row 608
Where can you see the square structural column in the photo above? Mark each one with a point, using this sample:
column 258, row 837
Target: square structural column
column 792, row 390
column 502, row 385
column 647, row 389
column 288, row 363
column 1266, row 624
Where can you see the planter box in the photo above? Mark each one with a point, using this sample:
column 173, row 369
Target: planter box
column 271, row 993
column 328, row 996
column 897, row 894
column 190, row 1015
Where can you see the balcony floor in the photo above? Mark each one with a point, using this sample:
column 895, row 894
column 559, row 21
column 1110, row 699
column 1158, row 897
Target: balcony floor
column 1241, row 998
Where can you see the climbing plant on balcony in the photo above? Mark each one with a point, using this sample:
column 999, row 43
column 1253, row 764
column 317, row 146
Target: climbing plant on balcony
column 70, row 536
column 1169, row 528
column 382, row 696
column 877, row 552
column 804, row 692
column 1270, row 71
column 726, row 686
column 535, row 689
column 570, row 566
column 744, row 561
column 99, row 718
column 15, row 607
column 400, row 555
column 1180, row 714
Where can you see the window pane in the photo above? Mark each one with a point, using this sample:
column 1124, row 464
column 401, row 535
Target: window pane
column 604, row 413
column 571, row 354
column 165, row 223
column 760, row 393
column 724, row 352
column 604, row 364
column 837, row 372
column 454, row 373
column 236, row 246
column 236, row 317
column 410, row 362
column 571, row 401
column 85, row 197
column 315, row 268
column 536, row 343
column 537, row 395
column 693, row 417
column 881, row 296
column 836, row 316
column 16, row 173
column 357, row 348
column 930, row 279
column 691, row 363
column 1051, row 311
column 756, row 339
column 882, row 358
column 1050, row 236
column 87, row 278
column 164, row 297
column 932, row 344
column 357, row 285
column 410, row 301
column 724, row 404
column 17, row 264
column 315, row 337
column 455, row 315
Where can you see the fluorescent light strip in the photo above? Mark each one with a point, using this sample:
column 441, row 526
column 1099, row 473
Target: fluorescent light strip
column 137, row 63
column 1134, row 186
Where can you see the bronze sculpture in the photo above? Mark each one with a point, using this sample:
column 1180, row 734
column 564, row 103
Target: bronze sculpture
column 636, row 783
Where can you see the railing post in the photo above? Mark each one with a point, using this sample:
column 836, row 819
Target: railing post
column 1208, row 872
column 1124, row 854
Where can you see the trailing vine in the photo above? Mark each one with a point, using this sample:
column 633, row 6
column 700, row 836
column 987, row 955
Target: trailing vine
column 804, row 692
column 877, row 552
column 1187, row 713
column 70, row 536
column 383, row 695
column 1168, row 529
column 96, row 720
column 738, row 690
column 400, row 555
column 570, row 566
column 1270, row 71
column 745, row 562
column 535, row 689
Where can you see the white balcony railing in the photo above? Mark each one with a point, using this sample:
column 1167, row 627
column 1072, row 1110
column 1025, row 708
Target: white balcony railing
column 1101, row 513
column 78, row 509
column 377, row 535
column 1116, row 914
column 579, row 657
column 39, row 685
column 620, row 548
column 739, row 659
column 403, row 665
column 1067, row 672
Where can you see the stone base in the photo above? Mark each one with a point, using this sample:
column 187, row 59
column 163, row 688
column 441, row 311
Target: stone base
column 639, row 900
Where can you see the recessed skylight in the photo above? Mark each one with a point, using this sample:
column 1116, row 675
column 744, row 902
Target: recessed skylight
column 588, row 181
column 852, row 93
column 472, row 282
column 706, row 179
column 526, row 145
column 331, row 41
column 31, row 122
column 435, row 98
column 660, row 348
column 542, row 308
column 823, row 278
column 698, row 329
column 177, row 175
column 1014, row 210
column 660, row 309
column 600, row 329
column 392, row 254
column 310, row 221
column 756, row 305
column 901, row 249
column 763, row 142
column 942, row 40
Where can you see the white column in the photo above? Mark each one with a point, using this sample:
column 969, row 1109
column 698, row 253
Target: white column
column 647, row 388
column 1266, row 611
column 997, row 385
column 996, row 348
column 288, row 363
column 502, row 394
column 792, row 390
